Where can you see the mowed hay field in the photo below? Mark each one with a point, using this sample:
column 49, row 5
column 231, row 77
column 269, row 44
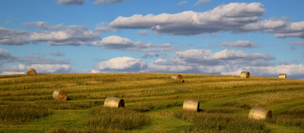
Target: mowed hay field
column 153, row 102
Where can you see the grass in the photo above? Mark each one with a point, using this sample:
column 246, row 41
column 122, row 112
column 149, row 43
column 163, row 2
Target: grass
column 153, row 103
column 104, row 118
column 218, row 122
column 18, row 114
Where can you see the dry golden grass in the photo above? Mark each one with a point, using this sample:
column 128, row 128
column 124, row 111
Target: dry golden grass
column 222, row 98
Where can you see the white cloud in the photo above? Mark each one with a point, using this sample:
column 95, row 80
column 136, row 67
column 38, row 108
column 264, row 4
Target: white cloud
column 5, row 57
column 121, row 64
column 202, row 61
column 40, row 68
column 235, row 17
column 70, row 35
column 292, row 70
column 295, row 29
column 201, row 2
column 125, row 44
column 94, row 71
column 280, row 27
column 38, row 58
column 182, row 3
column 206, row 57
column 10, row 73
column 102, row 27
column 14, row 37
column 265, row 25
column 43, row 25
column 107, row 1
column 238, row 44
column 69, row 2
column 228, row 17
column 33, row 60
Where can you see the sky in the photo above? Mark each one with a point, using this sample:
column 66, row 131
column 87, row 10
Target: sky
column 222, row 37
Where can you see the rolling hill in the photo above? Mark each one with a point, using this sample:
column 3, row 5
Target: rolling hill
column 153, row 102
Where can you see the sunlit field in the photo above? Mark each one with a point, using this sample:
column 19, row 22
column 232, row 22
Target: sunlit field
column 153, row 103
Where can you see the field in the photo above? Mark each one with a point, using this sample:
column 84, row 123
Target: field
column 153, row 103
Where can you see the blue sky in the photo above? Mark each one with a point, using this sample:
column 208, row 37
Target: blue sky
column 190, row 36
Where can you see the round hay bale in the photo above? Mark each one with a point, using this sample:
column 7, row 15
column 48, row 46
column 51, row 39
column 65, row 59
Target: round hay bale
column 191, row 105
column 60, row 95
column 114, row 102
column 260, row 113
column 31, row 71
column 282, row 75
column 245, row 74
column 178, row 78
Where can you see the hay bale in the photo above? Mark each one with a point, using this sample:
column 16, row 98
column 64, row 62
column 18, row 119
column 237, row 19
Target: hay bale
column 245, row 74
column 31, row 71
column 114, row 102
column 178, row 78
column 282, row 75
column 191, row 105
column 260, row 113
column 60, row 95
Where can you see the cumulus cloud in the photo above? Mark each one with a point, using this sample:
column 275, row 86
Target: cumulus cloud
column 70, row 35
column 102, row 27
column 182, row 3
column 205, row 61
column 107, row 1
column 295, row 29
column 280, row 27
column 121, row 64
column 125, row 44
column 235, row 17
column 33, row 60
column 38, row 58
column 228, row 17
column 201, row 2
column 14, row 37
column 40, row 68
column 69, row 2
column 5, row 57
column 238, row 44
column 292, row 70
column 207, row 58
column 42, row 25
column 202, row 61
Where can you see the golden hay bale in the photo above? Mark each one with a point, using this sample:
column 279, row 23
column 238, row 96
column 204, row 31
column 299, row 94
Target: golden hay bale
column 114, row 102
column 31, row 71
column 191, row 105
column 245, row 74
column 282, row 75
column 60, row 95
column 260, row 113
column 178, row 78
